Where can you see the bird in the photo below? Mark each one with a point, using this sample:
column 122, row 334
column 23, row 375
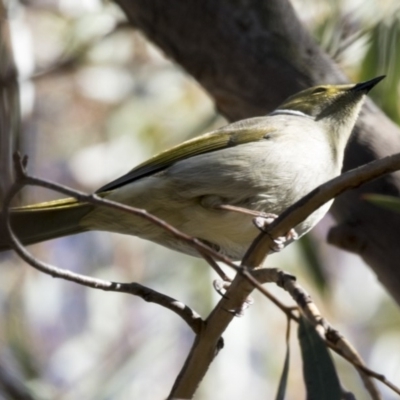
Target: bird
column 212, row 187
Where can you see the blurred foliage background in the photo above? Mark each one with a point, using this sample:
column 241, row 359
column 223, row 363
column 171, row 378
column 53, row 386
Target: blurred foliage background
column 96, row 99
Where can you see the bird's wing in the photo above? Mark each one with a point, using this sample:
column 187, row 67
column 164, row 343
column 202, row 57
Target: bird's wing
column 241, row 132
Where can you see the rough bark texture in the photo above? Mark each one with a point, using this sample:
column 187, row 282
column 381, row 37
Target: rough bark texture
column 250, row 55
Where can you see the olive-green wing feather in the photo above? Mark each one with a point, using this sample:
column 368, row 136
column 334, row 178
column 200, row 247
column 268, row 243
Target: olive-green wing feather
column 45, row 221
column 241, row 132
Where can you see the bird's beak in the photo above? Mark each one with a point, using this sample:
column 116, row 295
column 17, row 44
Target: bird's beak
column 368, row 85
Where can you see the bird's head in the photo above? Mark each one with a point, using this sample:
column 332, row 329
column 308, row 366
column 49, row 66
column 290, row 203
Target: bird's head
column 340, row 102
column 334, row 107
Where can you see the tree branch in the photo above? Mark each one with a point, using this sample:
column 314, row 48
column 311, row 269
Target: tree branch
column 208, row 339
column 192, row 318
column 206, row 344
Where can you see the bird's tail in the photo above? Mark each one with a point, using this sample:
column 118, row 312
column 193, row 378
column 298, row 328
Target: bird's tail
column 44, row 221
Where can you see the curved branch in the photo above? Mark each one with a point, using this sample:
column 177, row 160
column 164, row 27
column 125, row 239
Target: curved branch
column 186, row 313
column 206, row 343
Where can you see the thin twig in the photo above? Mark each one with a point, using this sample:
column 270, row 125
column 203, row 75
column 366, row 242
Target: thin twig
column 332, row 336
column 186, row 313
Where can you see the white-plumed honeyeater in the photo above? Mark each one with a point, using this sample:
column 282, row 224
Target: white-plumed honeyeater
column 204, row 185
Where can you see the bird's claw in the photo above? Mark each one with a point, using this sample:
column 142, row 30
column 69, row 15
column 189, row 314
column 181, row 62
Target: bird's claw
column 280, row 242
column 220, row 286
column 239, row 312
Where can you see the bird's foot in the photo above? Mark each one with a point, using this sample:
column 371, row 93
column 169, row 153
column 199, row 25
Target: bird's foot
column 261, row 221
column 281, row 241
column 221, row 286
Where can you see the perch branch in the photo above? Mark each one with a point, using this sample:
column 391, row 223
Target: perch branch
column 206, row 345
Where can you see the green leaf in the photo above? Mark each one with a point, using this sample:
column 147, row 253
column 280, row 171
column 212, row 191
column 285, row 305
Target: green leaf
column 389, row 202
column 285, row 372
column 320, row 375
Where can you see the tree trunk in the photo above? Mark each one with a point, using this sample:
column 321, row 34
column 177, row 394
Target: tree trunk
column 250, row 55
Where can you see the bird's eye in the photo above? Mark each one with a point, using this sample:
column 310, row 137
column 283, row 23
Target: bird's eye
column 319, row 90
